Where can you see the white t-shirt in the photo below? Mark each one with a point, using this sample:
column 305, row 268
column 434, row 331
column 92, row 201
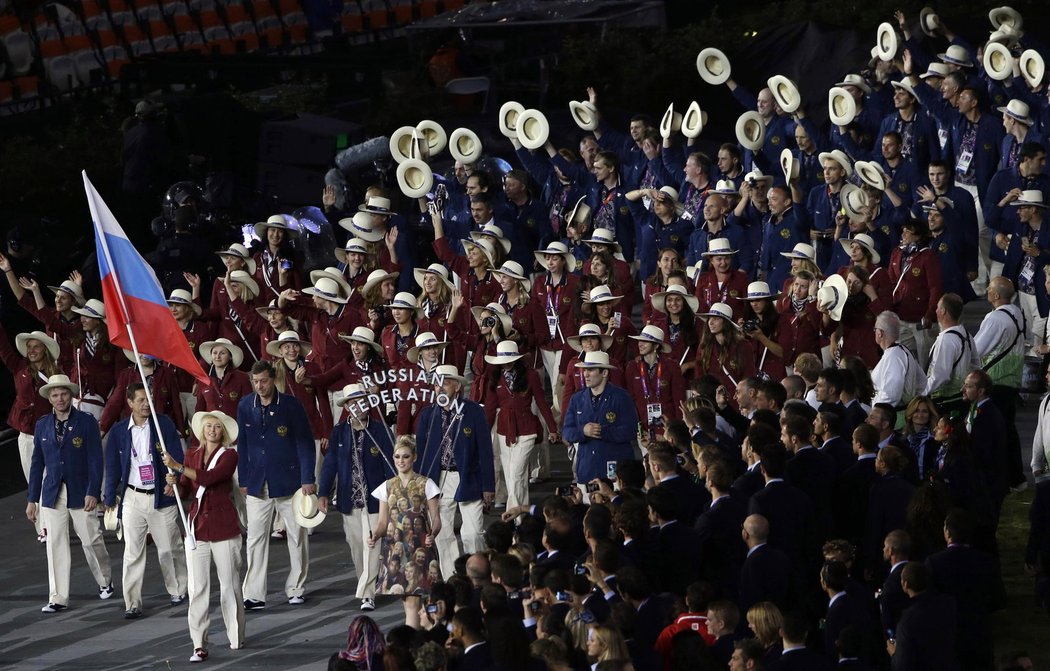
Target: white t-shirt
column 432, row 491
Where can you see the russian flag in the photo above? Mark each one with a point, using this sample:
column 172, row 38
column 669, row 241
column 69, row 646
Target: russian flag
column 132, row 294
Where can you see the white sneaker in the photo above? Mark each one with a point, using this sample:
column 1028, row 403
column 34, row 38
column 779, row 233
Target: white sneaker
column 199, row 655
column 296, row 601
column 105, row 592
column 368, row 604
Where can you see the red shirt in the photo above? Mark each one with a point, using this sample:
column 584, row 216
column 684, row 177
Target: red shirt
column 476, row 291
column 196, row 332
column 214, row 517
column 685, row 622
column 225, row 327
column 97, row 373
column 729, row 366
column 798, row 333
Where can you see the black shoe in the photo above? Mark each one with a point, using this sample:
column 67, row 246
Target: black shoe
column 52, row 608
column 132, row 614
column 252, row 604
column 177, row 600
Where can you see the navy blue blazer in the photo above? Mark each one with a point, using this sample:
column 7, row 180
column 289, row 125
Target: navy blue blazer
column 77, row 461
column 118, row 459
column 722, row 549
column 790, row 515
column 892, row 601
column 616, row 412
column 766, row 575
column 376, row 459
column 275, row 445
column 926, row 635
column 472, row 448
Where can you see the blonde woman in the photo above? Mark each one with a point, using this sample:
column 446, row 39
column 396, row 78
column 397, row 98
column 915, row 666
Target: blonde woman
column 764, row 620
column 207, row 477
column 605, row 643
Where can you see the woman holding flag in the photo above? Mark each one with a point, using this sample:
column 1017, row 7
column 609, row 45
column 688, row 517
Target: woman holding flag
column 214, row 532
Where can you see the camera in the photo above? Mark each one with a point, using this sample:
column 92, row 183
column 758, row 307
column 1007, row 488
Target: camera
column 488, row 322
column 564, row 491
column 750, row 325
column 752, row 182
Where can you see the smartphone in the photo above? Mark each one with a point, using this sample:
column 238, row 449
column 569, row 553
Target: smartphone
column 592, row 487
column 679, row 459
column 286, row 264
column 432, row 608
column 610, row 470
column 535, row 607
column 580, row 569
column 562, row 596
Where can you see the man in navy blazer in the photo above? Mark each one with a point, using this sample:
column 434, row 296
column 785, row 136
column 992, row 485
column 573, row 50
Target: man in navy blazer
column 796, row 656
column 844, row 610
column 65, row 480
column 359, row 458
column 135, row 473
column 277, row 458
column 718, row 532
column 468, row 628
column 767, row 573
column 454, row 443
column 690, row 498
column 987, row 429
column 896, row 550
column 926, row 632
column 677, row 543
column 788, row 509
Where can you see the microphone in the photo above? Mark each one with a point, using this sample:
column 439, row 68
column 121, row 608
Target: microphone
column 363, row 155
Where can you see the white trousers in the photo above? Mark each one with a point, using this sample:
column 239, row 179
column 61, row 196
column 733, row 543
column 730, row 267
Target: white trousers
column 260, row 512
column 515, row 460
column 139, row 517
column 1036, row 333
column 226, row 555
column 189, row 404
column 56, row 520
column 471, row 532
column 356, row 527
column 984, row 244
column 918, row 340
column 25, row 454
column 90, row 406
column 497, row 464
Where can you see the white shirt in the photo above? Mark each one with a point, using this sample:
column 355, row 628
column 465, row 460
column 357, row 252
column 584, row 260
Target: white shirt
column 897, row 376
column 432, row 491
column 1041, row 439
column 946, row 350
column 999, row 329
column 141, row 462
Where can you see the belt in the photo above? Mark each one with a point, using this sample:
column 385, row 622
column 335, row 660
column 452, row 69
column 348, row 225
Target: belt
column 141, row 491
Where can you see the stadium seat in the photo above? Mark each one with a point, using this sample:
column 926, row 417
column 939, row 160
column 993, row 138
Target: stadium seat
column 7, row 92
column 119, row 14
column 351, row 20
column 377, row 12
column 106, row 39
column 138, row 43
column 428, row 9
column 99, row 22
column 187, row 32
column 236, row 14
column 209, row 18
column 175, row 8
column 147, row 11
column 85, row 62
column 19, row 46
column 52, row 49
column 61, row 72
column 402, row 11
column 47, row 32
column 163, row 41
column 8, row 25
column 27, row 87
column 90, row 8
column 262, row 9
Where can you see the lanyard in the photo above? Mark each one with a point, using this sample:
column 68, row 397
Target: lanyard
column 644, row 370
column 552, row 306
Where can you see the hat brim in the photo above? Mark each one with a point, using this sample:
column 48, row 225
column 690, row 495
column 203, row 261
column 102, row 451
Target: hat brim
column 848, row 111
column 481, row 235
column 1005, row 62
column 419, row 273
column 417, row 309
column 413, row 352
column 664, row 347
column 570, row 260
column 249, row 283
column 771, row 297
column 305, row 522
column 370, row 284
column 1002, row 110
column 273, row 348
column 693, row 121
column 229, row 425
column 750, row 120
column 604, row 299
column 886, row 42
column 659, row 301
column 508, row 125
column 311, row 291
column 785, row 93
column 434, row 135
column 481, row 248
column 414, row 178
column 367, row 236
column 83, row 312
column 78, row 299
column 847, row 244
column 197, row 310
column 260, row 229
column 526, row 283
column 73, row 388
column 729, row 319
column 236, row 353
column 586, row 364
column 469, row 154
column 400, row 142
column 573, row 341
column 49, row 343
column 533, row 129
column 722, row 252
column 713, row 66
column 249, row 262
column 335, row 277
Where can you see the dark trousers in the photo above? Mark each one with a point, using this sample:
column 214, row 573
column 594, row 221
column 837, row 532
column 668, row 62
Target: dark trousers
column 1005, row 398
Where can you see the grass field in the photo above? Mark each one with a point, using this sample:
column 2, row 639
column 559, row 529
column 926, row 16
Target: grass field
column 1021, row 625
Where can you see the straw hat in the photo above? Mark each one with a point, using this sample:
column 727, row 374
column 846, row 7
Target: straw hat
column 376, row 205
column 354, row 246
column 486, row 247
column 414, row 178
column 935, row 70
column 654, row 335
column 998, row 61
column 751, row 131
column 785, row 92
column 694, row 121
column 556, row 249
column 350, row 392
column 760, row 291
column 506, row 352
column 659, row 300
column 183, row 297
column 377, row 277
column 401, row 143
column 94, row 308
column 47, row 341
column 854, row 200
column 671, row 122
column 1015, row 109
column 307, row 514
column 239, row 251
column 856, row 81
column 279, row 221
column 721, row 310
column 1005, row 16
column 246, row 281
column 513, row 270
column 449, row 372
column 332, row 273
column 957, row 55
column 404, row 301
column 236, row 353
column 604, row 236
column 802, row 250
column 424, row 339
column 886, row 42
column 756, row 176
column 73, row 289
column 713, row 66
column 508, row 118
column 906, row 86
column 719, row 247
column 842, row 108
column 111, row 522
column 789, row 164
column 602, row 294
column 726, row 187
column 584, row 114
column 533, row 130
column 594, row 360
column 465, row 145
column 588, row 330
column 870, row 174
column 497, row 311
column 865, row 241
column 832, row 296
column 56, row 382
column 433, row 134
column 668, row 191
column 493, row 233
column 229, row 425
column 360, row 226
column 1032, row 67
column 581, row 212
column 328, row 289
column 929, row 21
column 433, row 269
column 363, row 334
column 273, row 348
column 839, row 157
column 1032, row 197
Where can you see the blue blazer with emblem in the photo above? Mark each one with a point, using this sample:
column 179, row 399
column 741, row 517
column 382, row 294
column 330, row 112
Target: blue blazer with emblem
column 376, row 454
column 616, row 412
column 275, row 445
column 654, row 235
column 472, row 448
column 1015, row 262
column 118, row 459
column 77, row 462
